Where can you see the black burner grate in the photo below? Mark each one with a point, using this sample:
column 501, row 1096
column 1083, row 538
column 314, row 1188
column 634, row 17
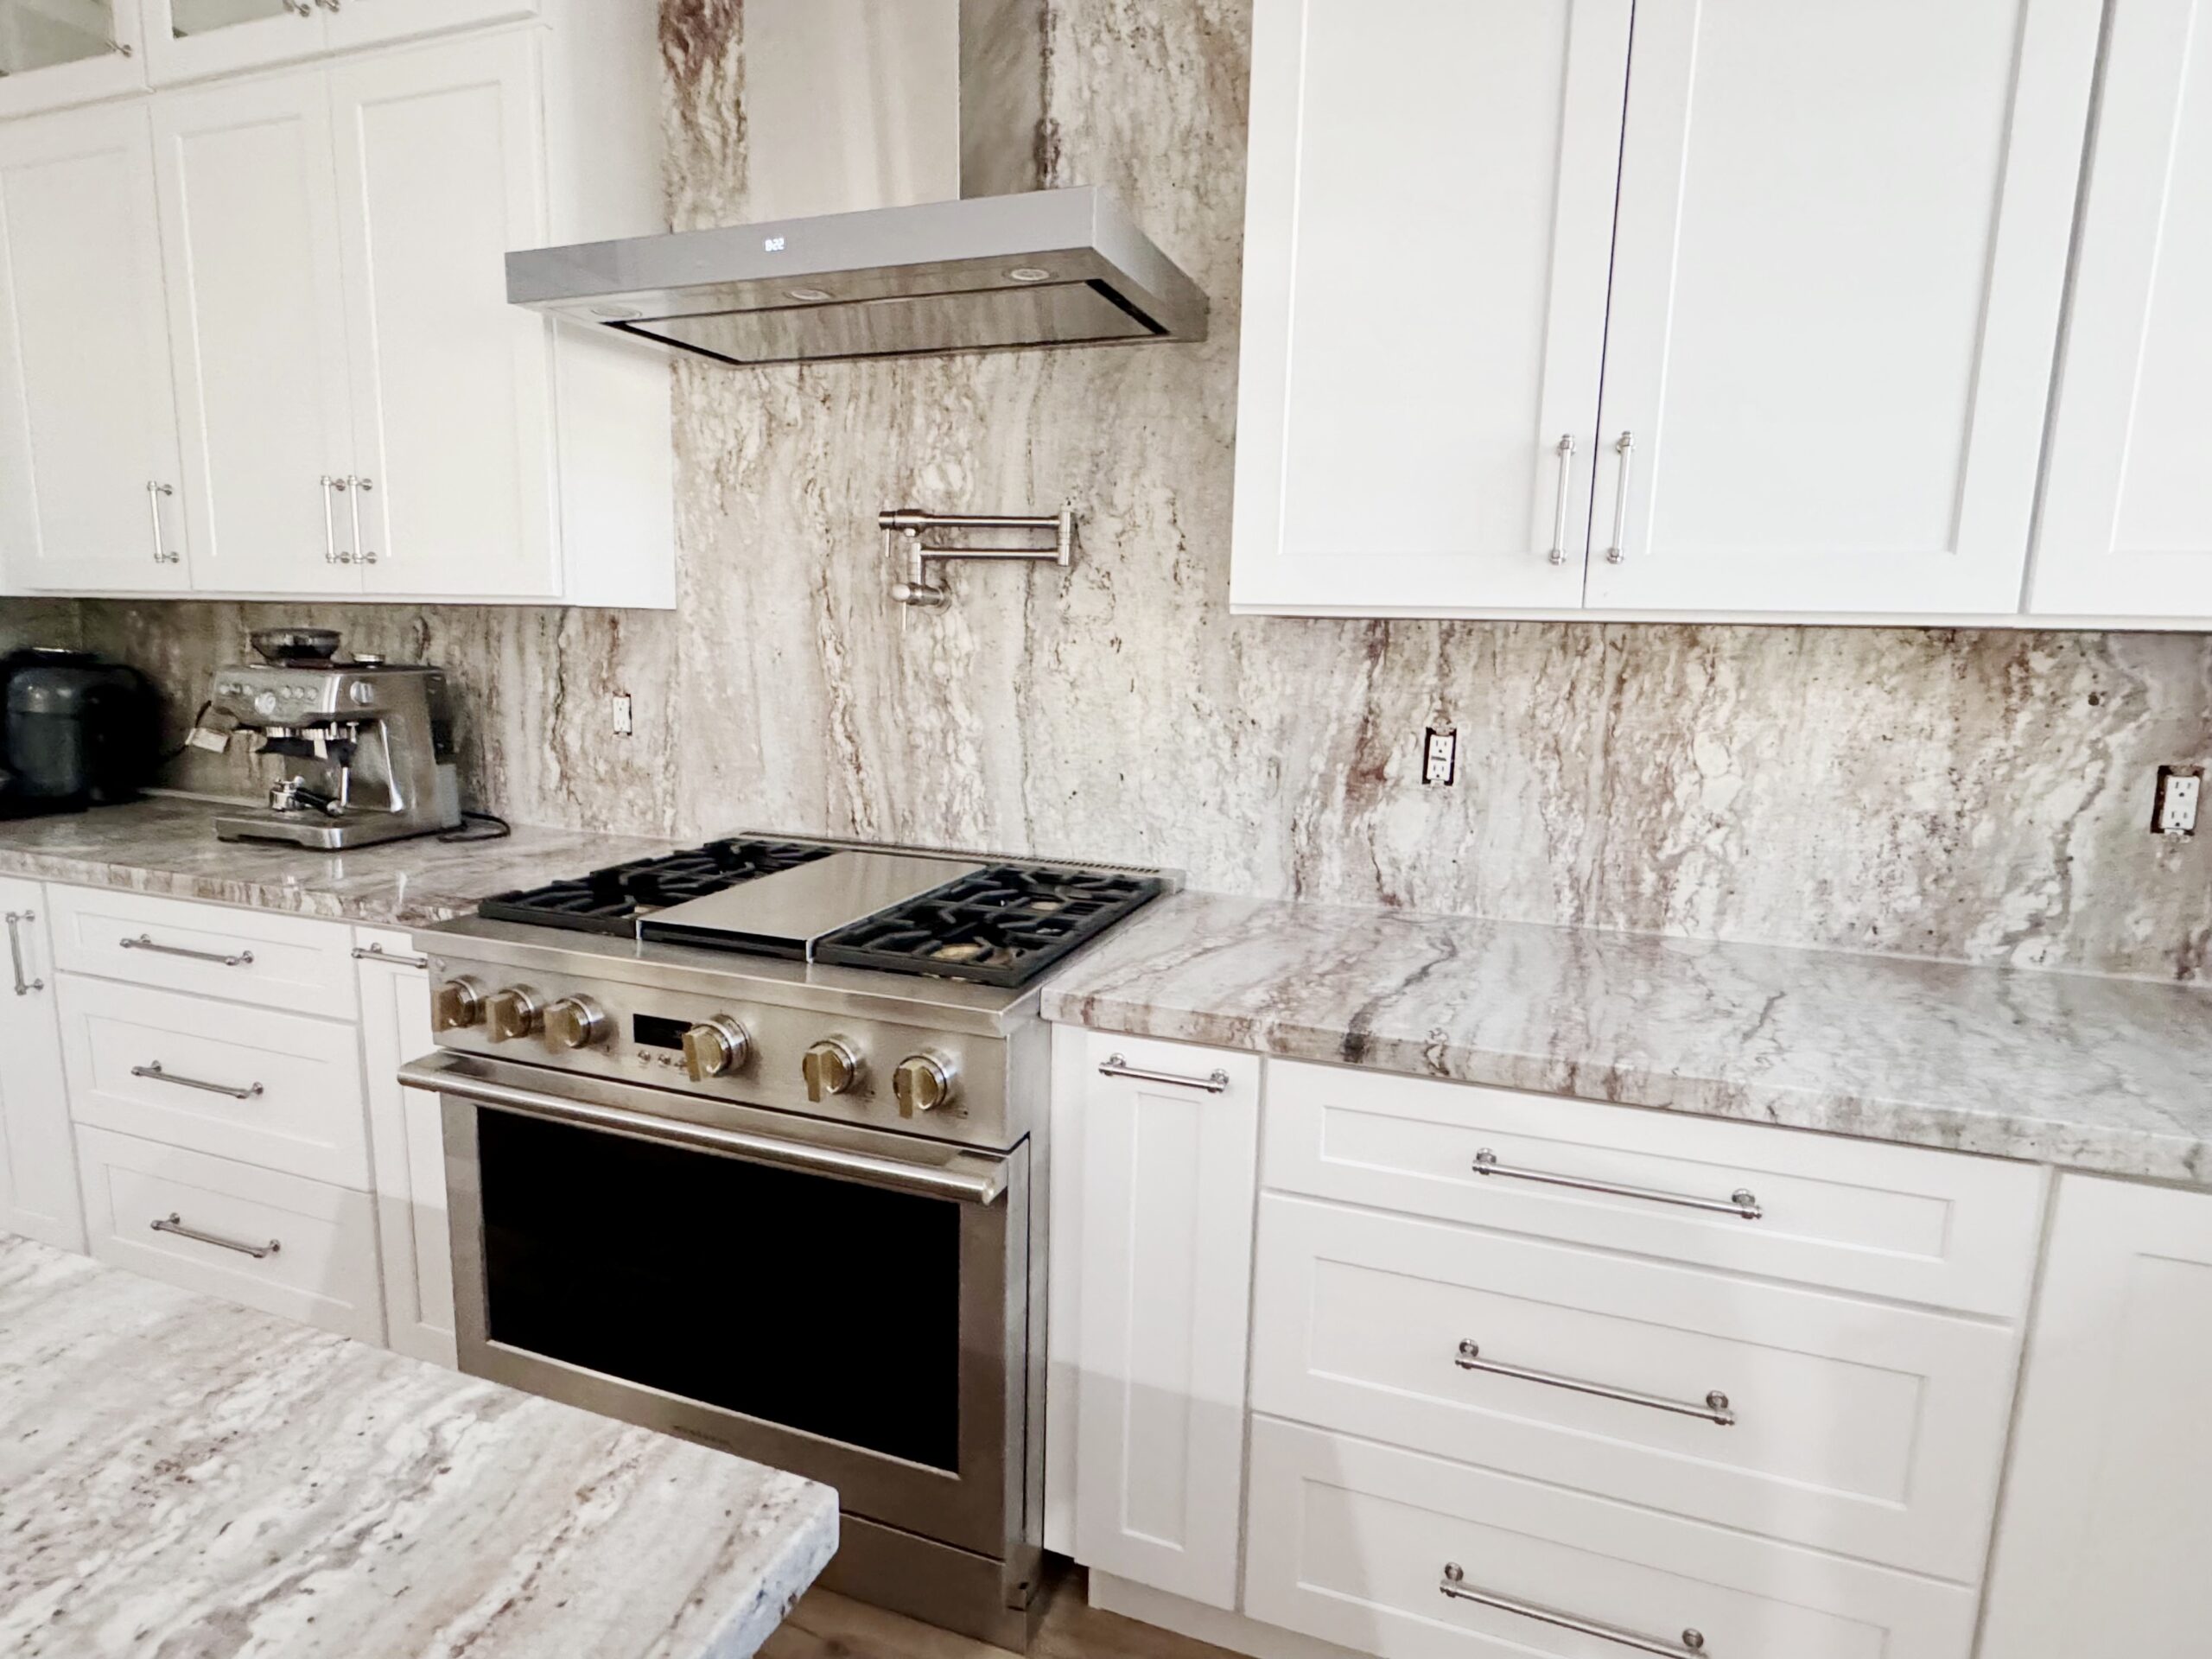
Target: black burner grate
column 611, row 900
column 999, row 926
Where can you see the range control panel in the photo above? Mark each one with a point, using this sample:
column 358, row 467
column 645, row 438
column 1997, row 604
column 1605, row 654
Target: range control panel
column 951, row 1086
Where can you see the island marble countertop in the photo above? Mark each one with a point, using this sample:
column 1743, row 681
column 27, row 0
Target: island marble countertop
column 193, row 1480
column 166, row 845
column 2107, row 1075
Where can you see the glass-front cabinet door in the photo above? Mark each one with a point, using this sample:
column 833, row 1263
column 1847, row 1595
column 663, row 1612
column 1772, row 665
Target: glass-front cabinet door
column 189, row 39
column 54, row 53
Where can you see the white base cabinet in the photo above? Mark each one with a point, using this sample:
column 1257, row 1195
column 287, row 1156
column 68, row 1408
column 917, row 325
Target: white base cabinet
column 410, row 1142
column 1363, row 1364
column 2107, row 1529
column 38, row 1159
column 1169, row 1160
column 209, row 1095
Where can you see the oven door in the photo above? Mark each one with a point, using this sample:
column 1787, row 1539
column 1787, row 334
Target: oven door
column 845, row 1304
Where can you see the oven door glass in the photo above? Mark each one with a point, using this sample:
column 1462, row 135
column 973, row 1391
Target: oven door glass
column 763, row 1291
column 871, row 1339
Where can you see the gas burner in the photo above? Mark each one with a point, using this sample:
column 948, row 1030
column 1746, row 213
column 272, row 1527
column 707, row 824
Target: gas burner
column 611, row 900
column 1003, row 926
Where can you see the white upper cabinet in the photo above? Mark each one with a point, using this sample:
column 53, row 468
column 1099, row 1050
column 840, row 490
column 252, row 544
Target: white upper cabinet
column 439, row 169
column 88, row 442
column 258, row 323
column 1428, row 224
column 1841, row 257
column 59, row 52
column 189, row 39
column 2127, row 524
column 250, row 219
column 1699, row 307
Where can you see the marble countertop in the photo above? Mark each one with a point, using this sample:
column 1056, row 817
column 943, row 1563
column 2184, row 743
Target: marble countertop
column 185, row 1477
column 2107, row 1075
column 166, row 845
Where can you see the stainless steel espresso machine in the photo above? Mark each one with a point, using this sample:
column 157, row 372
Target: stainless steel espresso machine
column 364, row 747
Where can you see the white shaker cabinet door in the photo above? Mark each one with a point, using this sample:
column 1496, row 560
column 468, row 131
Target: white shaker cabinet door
column 1428, row 227
column 440, row 156
column 410, row 1148
column 250, row 224
column 88, row 442
column 1840, row 256
column 39, row 1197
column 1170, row 1159
column 2127, row 509
column 2106, row 1530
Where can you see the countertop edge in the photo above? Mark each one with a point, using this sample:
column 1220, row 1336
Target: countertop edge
column 2115, row 1151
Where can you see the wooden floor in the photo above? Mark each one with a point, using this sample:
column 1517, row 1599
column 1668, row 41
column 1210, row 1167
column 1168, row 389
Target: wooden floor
column 826, row 1626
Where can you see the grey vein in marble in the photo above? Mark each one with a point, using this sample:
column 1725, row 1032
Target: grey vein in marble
column 166, row 845
column 2087, row 1073
column 185, row 1479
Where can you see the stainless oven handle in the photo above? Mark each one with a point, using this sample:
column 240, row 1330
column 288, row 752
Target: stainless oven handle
column 966, row 1177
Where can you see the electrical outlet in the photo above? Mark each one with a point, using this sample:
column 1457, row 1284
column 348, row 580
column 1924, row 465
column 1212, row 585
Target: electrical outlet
column 625, row 724
column 2173, row 811
column 1439, row 757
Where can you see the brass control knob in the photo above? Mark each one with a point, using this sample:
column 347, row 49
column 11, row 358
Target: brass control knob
column 922, row 1084
column 715, row 1047
column 576, row 1023
column 515, row 1012
column 456, row 1004
column 830, row 1068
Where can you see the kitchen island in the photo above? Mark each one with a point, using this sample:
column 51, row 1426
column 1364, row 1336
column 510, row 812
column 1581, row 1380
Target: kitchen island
column 182, row 1476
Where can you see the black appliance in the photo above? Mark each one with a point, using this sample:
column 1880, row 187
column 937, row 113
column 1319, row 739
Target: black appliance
column 75, row 731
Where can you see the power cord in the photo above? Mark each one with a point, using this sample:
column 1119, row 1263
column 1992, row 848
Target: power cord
column 495, row 828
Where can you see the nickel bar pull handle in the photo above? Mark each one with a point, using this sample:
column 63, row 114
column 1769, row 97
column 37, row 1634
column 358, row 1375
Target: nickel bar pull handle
column 173, row 1223
column 377, row 953
column 361, row 487
column 24, row 984
column 155, row 492
column 1739, row 1203
column 1214, row 1083
column 1714, row 1408
column 251, row 1091
column 1618, row 553
column 243, row 959
column 1565, row 450
column 1454, row 1585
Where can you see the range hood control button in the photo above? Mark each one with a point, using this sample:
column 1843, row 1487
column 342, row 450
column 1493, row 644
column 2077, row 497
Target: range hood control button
column 715, row 1048
column 456, row 1005
column 830, row 1068
column 922, row 1084
column 515, row 1012
column 576, row 1022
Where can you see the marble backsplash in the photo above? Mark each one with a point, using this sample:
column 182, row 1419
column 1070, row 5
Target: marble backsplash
column 1981, row 796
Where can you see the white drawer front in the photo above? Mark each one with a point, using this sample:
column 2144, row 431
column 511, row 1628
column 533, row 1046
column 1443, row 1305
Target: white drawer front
column 247, row 955
column 280, row 1091
column 1352, row 1542
column 1873, row 1430
column 318, row 1260
column 1937, row 1227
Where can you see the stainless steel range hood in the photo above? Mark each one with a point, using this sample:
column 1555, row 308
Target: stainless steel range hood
column 862, row 117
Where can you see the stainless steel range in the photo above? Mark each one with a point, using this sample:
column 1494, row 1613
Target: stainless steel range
column 748, row 1144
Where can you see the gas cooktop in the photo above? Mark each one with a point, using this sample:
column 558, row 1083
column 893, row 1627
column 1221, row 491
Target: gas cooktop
column 994, row 923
